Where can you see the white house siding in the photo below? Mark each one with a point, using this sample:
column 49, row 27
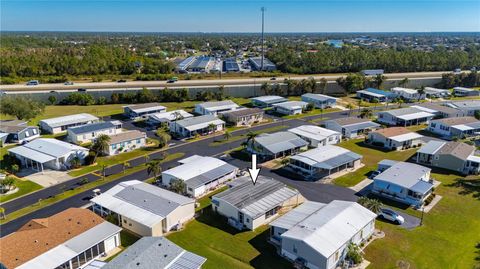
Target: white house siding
column 180, row 215
column 89, row 137
column 283, row 111
column 112, row 242
column 386, row 118
column 128, row 145
column 439, row 128
column 136, row 227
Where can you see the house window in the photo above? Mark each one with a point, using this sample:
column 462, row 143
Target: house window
column 138, row 141
column 27, row 134
column 248, row 220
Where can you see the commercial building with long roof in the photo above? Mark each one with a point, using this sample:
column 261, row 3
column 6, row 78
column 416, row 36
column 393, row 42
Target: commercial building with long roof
column 248, row 206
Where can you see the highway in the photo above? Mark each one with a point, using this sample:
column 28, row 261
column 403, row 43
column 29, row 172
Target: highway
column 198, row 83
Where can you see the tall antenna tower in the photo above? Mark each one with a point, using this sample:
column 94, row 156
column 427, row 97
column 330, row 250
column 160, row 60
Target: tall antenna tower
column 263, row 9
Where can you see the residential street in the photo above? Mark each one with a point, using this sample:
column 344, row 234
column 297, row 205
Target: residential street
column 311, row 190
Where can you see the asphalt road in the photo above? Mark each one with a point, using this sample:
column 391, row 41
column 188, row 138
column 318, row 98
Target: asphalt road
column 311, row 190
column 203, row 82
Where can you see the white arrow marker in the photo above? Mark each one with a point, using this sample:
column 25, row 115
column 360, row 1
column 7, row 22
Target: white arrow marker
column 254, row 171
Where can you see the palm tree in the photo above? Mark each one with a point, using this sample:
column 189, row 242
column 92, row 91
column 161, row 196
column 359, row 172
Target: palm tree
column 400, row 102
column 7, row 183
column 212, row 127
column 251, row 138
column 154, row 167
column 75, row 162
column 373, row 205
column 100, row 145
column 350, row 107
column 403, row 82
column 366, row 113
column 227, row 135
column 177, row 116
column 285, row 161
column 379, row 79
column 125, row 166
column 178, row 186
column 265, row 88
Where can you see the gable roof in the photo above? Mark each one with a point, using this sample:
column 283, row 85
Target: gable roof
column 408, row 113
column 39, row 236
column 140, row 201
column 126, row 136
column 155, row 253
column 457, row 149
column 45, row 149
column 456, row 121
column 291, row 105
column 255, row 200
column 70, row 119
column 313, row 132
column 320, row 97
column 92, row 127
column 280, row 141
column 14, row 126
column 392, row 131
column 197, row 170
column 139, row 108
column 170, row 116
column 404, row 174
column 269, row 99
column 327, row 157
column 326, row 228
column 352, row 121
column 199, row 122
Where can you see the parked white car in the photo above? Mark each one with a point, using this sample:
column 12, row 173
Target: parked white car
column 391, row 215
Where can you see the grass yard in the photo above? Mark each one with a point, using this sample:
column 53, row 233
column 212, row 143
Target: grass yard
column 24, row 187
column 314, row 112
column 371, row 157
column 113, row 160
column 449, row 237
column 206, row 200
column 224, row 247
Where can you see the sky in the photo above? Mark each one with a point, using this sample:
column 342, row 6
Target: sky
column 241, row 16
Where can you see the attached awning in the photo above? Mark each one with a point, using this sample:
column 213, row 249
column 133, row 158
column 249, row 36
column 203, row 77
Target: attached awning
column 422, row 187
column 31, row 154
column 414, row 116
column 406, row 137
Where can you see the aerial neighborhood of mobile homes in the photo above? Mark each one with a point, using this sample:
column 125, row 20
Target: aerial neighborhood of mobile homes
column 308, row 221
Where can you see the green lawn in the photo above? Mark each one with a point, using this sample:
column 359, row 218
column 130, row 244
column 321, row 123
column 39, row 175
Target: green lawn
column 224, row 247
column 24, row 187
column 314, row 112
column 113, row 160
column 82, row 188
column 371, row 157
column 206, row 200
column 448, row 238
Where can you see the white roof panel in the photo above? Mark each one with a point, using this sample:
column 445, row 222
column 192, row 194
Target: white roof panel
column 70, row 119
column 313, row 132
column 406, row 137
column 194, row 167
column 417, row 115
column 330, row 227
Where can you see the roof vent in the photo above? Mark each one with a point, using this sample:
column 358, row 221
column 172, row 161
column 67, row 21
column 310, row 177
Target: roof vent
column 78, row 222
column 36, row 241
column 138, row 263
column 160, row 244
column 69, row 219
column 145, row 200
column 165, row 255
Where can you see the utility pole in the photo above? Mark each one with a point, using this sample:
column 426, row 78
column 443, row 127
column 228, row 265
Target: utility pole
column 263, row 9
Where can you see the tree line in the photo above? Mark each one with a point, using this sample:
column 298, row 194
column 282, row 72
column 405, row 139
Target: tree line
column 326, row 59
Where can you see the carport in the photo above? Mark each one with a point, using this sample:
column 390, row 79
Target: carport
column 31, row 158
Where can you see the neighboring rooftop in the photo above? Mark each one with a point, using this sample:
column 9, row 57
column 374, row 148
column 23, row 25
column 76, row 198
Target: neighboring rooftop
column 456, row 121
column 92, row 127
column 327, row 157
column 155, row 253
column 199, row 122
column 45, row 149
column 392, row 131
column 244, row 112
column 325, row 228
column 409, row 113
column 457, row 149
column 317, row 96
column 64, row 233
column 171, row 115
column 218, row 104
column 139, row 108
column 280, row 141
column 404, row 174
column 270, row 99
column 126, row 136
column 141, row 202
column 13, row 126
column 291, row 105
column 433, row 108
column 197, row 170
column 351, row 121
column 255, row 200
column 313, row 132
column 431, row 147
column 70, row 119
